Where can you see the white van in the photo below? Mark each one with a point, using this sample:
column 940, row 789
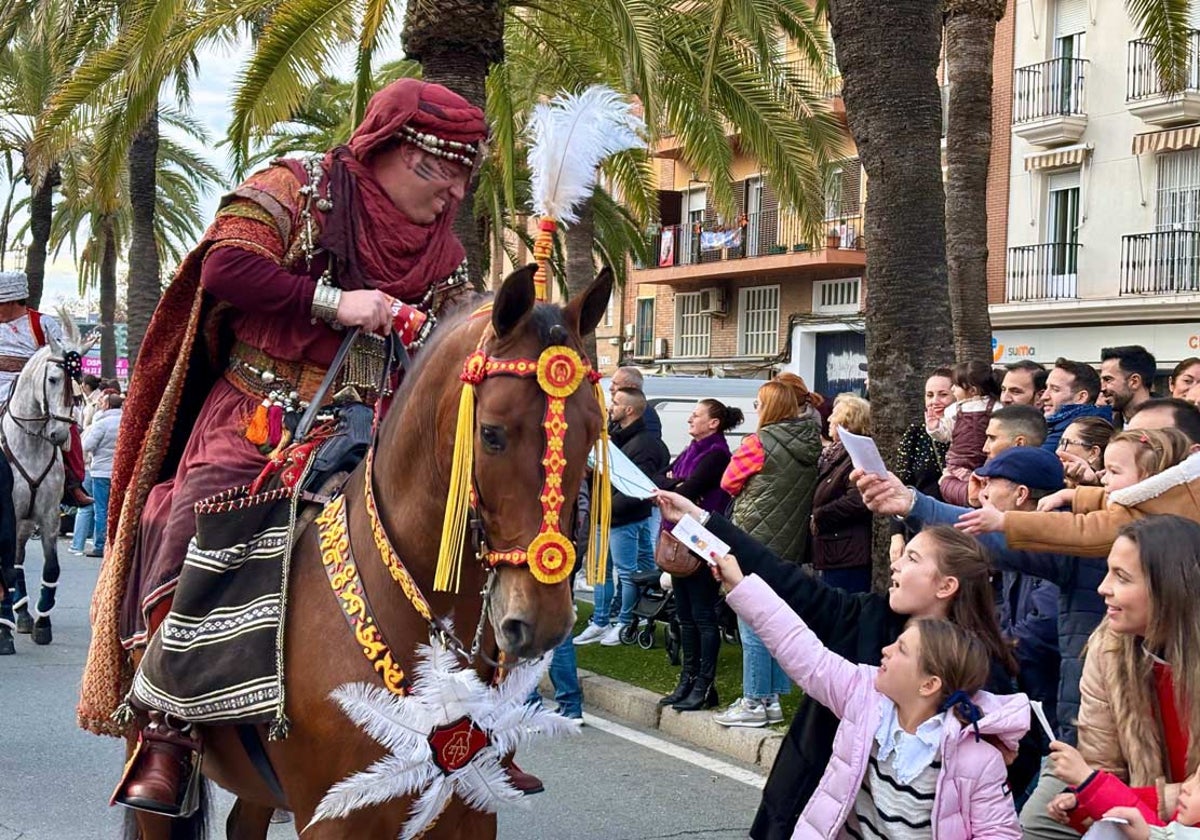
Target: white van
column 674, row 397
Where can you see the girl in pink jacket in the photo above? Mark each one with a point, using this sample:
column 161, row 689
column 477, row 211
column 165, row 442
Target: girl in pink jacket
column 908, row 757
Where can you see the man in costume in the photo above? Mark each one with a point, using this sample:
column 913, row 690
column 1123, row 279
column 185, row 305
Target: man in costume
column 22, row 332
column 249, row 326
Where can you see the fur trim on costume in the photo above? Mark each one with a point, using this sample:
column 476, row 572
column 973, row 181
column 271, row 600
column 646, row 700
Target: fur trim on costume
column 1184, row 472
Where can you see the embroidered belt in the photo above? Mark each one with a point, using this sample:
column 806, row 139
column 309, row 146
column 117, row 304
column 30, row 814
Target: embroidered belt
column 257, row 374
column 12, row 364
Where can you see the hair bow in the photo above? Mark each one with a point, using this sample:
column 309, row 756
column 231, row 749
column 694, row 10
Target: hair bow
column 960, row 702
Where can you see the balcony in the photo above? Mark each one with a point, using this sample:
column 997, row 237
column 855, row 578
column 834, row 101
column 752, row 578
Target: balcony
column 758, row 243
column 1042, row 272
column 1166, row 262
column 1144, row 94
column 1049, row 105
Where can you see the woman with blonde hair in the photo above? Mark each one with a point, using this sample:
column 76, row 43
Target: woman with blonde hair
column 771, row 478
column 841, row 523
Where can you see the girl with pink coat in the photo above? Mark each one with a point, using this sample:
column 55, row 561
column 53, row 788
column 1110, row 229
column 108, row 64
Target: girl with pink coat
column 910, row 759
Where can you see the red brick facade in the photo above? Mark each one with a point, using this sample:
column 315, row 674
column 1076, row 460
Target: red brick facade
column 997, row 183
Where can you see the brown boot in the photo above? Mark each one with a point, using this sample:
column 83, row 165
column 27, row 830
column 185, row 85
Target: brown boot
column 527, row 783
column 163, row 766
column 75, row 496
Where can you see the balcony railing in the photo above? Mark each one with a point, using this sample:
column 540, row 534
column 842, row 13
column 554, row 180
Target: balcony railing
column 1166, row 262
column 1052, row 88
column 1042, row 272
column 1142, row 80
column 764, row 234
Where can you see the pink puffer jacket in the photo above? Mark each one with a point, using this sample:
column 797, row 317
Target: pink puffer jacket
column 972, row 798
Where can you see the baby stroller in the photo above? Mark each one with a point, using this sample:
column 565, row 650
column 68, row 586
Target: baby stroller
column 654, row 605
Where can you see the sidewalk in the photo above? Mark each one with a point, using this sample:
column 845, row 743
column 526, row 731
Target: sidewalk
column 639, row 707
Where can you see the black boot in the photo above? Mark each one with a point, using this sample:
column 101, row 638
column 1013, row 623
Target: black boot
column 702, row 696
column 682, row 689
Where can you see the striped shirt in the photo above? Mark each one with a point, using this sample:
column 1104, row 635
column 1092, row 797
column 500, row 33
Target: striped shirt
column 884, row 808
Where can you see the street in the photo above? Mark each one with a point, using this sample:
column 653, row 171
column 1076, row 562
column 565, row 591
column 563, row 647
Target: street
column 611, row 782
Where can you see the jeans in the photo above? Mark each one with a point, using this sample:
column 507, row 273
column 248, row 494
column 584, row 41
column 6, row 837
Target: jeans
column 631, row 549
column 762, row 677
column 100, row 489
column 84, row 517
column 602, row 598
column 565, row 678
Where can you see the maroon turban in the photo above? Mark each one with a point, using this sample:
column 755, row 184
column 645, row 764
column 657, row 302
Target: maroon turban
column 371, row 239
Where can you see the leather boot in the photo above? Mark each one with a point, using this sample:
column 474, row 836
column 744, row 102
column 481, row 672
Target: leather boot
column 702, row 696
column 527, row 783
column 75, row 496
column 165, row 762
column 682, row 689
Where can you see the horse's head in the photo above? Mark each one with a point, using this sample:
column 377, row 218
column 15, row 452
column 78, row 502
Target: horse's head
column 42, row 397
column 532, row 434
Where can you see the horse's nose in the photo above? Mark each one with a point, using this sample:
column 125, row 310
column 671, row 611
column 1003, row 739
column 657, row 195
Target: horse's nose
column 518, row 635
column 59, row 438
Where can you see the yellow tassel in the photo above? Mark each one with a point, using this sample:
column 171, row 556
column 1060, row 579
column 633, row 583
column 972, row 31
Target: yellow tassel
column 600, row 516
column 256, row 432
column 458, row 499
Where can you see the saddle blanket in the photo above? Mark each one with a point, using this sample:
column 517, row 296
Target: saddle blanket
column 218, row 655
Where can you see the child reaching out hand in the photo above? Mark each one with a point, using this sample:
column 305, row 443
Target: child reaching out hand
column 908, row 753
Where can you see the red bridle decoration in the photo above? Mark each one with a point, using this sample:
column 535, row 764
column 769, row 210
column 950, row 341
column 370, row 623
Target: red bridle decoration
column 559, row 371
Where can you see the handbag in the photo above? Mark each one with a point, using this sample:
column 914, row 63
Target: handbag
column 673, row 557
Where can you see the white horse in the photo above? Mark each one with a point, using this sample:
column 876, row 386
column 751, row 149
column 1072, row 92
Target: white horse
column 35, row 426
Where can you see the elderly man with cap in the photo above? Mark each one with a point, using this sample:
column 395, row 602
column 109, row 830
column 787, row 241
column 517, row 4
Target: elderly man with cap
column 358, row 237
column 22, row 331
column 1014, row 480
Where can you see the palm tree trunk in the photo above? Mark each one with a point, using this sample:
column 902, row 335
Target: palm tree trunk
column 145, row 275
column 41, row 213
column 6, row 217
column 581, row 264
column 456, row 42
column 970, row 43
column 108, row 298
column 888, row 55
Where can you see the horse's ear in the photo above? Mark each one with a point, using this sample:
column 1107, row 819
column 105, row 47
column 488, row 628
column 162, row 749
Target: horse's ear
column 55, row 347
column 514, row 300
column 588, row 308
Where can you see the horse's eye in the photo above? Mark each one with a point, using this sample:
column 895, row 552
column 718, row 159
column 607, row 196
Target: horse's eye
column 493, row 438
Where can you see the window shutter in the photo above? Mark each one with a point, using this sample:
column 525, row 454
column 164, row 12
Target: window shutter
column 768, row 219
column 710, row 208
column 1070, row 18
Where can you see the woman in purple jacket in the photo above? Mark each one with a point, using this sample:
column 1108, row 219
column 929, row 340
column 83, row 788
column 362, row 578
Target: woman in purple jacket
column 696, row 475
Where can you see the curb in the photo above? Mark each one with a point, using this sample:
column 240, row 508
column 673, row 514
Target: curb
column 639, row 706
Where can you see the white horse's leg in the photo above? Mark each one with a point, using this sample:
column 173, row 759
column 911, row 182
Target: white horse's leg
column 48, row 522
column 21, row 589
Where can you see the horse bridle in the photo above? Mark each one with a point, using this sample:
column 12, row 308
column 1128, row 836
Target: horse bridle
column 72, row 365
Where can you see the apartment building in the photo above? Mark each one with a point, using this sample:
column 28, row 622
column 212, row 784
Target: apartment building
column 1103, row 206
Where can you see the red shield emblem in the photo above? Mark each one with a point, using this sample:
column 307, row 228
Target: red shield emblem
column 455, row 744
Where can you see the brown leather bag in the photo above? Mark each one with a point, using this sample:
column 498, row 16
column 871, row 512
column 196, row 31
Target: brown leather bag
column 673, row 557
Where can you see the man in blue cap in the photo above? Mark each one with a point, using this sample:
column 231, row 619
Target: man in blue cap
column 1015, row 479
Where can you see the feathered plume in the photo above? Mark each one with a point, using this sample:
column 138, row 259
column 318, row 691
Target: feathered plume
column 569, row 136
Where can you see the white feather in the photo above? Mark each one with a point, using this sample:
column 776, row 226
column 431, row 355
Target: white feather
column 427, row 808
column 389, row 778
column 569, row 136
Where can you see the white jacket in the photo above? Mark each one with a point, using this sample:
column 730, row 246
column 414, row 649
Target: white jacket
column 100, row 441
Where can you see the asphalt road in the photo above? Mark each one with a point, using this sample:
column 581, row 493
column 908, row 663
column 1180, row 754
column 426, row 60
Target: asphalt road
column 611, row 782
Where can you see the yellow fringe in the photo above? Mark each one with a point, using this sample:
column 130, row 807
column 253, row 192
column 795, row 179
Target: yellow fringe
column 600, row 516
column 458, row 499
column 256, row 432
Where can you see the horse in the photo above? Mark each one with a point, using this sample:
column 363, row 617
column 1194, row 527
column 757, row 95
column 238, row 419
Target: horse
column 34, row 426
column 413, row 459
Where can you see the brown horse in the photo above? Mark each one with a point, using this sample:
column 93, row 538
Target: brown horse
column 412, row 475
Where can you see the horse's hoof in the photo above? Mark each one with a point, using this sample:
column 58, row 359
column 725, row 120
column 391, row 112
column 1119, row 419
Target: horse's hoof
column 7, row 648
column 24, row 622
column 42, row 635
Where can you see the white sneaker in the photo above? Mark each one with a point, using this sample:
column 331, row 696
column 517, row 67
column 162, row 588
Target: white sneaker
column 774, row 712
column 612, row 638
column 742, row 712
column 591, row 633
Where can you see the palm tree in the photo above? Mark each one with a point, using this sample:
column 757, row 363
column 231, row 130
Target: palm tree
column 970, row 32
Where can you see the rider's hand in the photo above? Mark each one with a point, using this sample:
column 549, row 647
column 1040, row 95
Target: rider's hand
column 674, row 506
column 370, row 309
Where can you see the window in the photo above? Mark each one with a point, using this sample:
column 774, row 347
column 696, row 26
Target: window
column 1062, row 232
column 843, row 189
column 692, row 329
column 758, row 321
column 1177, row 200
column 644, row 347
column 837, row 297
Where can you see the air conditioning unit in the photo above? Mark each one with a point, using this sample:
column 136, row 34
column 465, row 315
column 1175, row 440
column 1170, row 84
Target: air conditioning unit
column 661, row 349
column 712, row 301
column 629, row 330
